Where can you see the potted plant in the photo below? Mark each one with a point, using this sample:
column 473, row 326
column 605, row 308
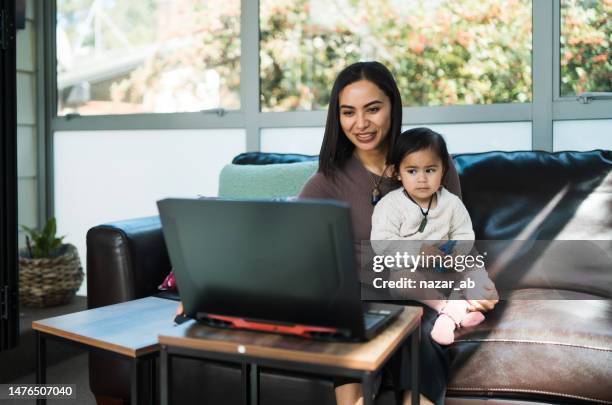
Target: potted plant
column 50, row 271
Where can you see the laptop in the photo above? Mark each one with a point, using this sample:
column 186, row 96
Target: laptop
column 286, row 267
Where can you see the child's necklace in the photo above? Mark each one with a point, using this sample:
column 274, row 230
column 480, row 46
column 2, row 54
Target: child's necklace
column 425, row 213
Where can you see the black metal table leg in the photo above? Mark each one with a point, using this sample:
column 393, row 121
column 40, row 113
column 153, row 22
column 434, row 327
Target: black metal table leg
column 254, row 378
column 246, row 383
column 153, row 379
column 367, row 383
column 143, row 381
column 135, row 386
column 41, row 363
column 164, row 375
column 415, row 343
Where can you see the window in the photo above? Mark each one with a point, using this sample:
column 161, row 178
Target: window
column 145, row 56
column 442, row 52
column 586, row 36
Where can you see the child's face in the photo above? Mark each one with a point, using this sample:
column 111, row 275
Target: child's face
column 421, row 174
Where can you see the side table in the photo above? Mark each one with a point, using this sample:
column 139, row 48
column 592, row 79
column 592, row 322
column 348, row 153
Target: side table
column 363, row 360
column 128, row 329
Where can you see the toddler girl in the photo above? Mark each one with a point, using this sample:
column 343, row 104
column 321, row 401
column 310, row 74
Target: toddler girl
column 423, row 210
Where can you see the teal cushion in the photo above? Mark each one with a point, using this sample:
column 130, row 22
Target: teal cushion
column 265, row 181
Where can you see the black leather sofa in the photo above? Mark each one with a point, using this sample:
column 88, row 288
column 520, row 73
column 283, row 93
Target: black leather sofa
column 532, row 349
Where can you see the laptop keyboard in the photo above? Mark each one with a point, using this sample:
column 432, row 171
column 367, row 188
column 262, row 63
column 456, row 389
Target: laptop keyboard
column 370, row 320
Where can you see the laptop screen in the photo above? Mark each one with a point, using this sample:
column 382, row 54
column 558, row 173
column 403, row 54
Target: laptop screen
column 286, row 262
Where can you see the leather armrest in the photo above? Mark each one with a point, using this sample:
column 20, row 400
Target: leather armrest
column 126, row 260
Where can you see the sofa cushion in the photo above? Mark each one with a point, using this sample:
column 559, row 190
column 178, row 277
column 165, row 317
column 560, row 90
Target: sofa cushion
column 266, row 158
column 265, row 181
column 565, row 266
column 538, row 348
column 503, row 191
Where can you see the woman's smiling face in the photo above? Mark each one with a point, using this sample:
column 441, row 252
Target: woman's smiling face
column 365, row 115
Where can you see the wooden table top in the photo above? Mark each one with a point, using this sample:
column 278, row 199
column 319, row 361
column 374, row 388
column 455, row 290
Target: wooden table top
column 360, row 356
column 130, row 328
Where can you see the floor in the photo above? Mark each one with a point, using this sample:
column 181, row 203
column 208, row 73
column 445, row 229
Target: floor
column 66, row 364
column 71, row 371
column 21, row 360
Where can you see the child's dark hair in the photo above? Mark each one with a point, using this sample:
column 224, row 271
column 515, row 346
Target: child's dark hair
column 417, row 139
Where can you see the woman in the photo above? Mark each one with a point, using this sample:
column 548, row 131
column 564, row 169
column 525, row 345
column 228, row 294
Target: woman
column 363, row 120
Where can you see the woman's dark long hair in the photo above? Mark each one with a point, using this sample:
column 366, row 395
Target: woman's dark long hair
column 337, row 148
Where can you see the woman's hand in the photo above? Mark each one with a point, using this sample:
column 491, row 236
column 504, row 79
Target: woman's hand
column 481, row 305
column 179, row 309
column 487, row 298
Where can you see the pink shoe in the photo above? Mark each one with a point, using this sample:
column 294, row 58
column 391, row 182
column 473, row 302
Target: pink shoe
column 449, row 319
column 443, row 331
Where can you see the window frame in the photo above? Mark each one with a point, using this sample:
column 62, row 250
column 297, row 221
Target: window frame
column 545, row 108
column 567, row 108
column 9, row 271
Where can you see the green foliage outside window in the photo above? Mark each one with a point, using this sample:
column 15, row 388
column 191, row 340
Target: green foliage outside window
column 169, row 47
column 586, row 37
column 441, row 53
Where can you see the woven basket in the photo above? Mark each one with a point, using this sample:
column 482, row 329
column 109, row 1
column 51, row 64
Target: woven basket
column 47, row 282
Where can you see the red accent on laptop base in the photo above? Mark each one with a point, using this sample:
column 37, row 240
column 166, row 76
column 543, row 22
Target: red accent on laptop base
column 298, row 330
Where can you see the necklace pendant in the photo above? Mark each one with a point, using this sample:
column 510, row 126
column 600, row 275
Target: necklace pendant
column 423, row 224
column 375, row 195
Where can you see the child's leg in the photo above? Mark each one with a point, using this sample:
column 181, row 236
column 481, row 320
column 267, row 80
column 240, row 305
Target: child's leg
column 349, row 394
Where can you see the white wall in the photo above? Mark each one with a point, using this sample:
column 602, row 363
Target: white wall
column 483, row 137
column 306, row 141
column 104, row 176
column 582, row 135
column 460, row 138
